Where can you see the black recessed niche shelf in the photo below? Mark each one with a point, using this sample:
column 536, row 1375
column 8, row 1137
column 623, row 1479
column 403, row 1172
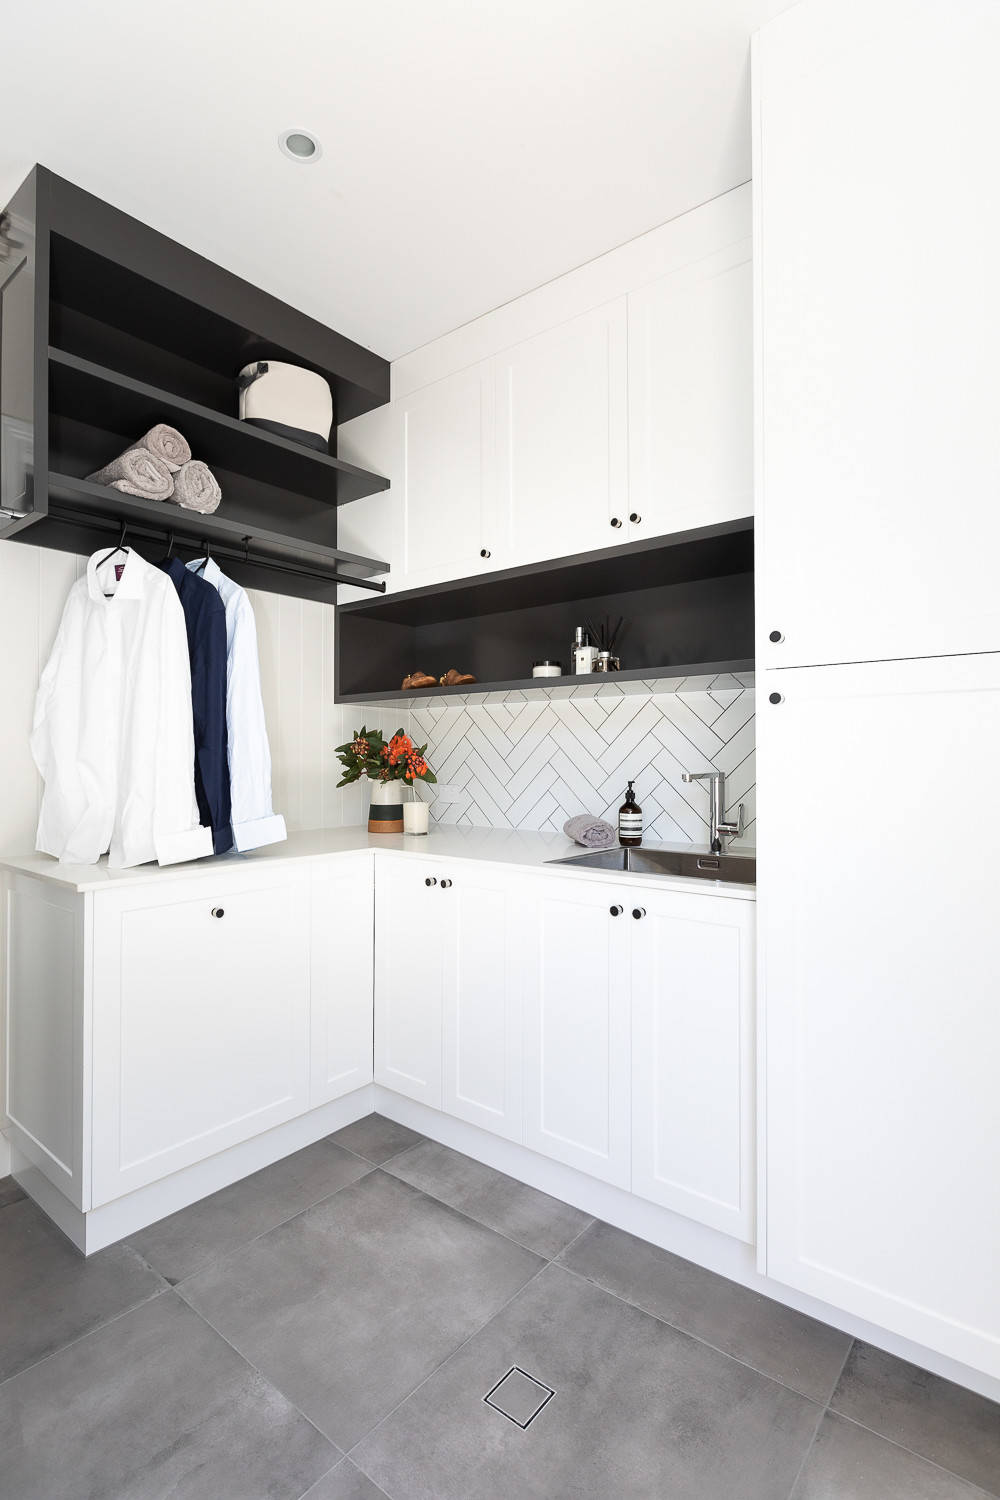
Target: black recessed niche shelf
column 108, row 326
column 687, row 600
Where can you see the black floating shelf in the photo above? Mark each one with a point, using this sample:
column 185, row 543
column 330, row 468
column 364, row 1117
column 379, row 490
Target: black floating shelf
column 687, row 600
column 593, row 681
column 90, row 393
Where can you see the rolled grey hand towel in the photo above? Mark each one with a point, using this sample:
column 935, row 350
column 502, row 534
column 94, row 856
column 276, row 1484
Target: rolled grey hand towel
column 167, row 444
column 137, row 472
column 591, row 832
column 196, row 487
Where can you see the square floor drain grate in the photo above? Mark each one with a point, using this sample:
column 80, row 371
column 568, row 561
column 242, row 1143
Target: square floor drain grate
column 519, row 1396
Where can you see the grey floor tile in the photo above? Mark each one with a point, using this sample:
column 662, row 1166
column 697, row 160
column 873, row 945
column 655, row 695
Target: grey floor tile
column 640, row 1410
column 376, row 1138
column 349, row 1306
column 192, row 1238
column 10, row 1191
column 50, row 1295
column 345, row 1482
column 533, row 1219
column 944, row 1422
column 154, row 1404
column 803, row 1353
column 849, row 1463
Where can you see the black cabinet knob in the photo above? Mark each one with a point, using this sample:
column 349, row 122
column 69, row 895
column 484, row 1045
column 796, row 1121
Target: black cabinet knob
column 775, row 697
column 430, row 880
column 484, row 552
column 638, row 912
column 776, row 637
column 615, row 521
column 635, row 518
column 446, row 885
column 218, row 911
column 616, row 911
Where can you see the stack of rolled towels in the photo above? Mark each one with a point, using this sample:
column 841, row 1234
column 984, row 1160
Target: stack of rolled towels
column 160, row 467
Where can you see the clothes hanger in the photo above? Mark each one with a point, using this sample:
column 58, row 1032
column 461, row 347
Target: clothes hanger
column 118, row 547
column 170, row 544
column 207, row 549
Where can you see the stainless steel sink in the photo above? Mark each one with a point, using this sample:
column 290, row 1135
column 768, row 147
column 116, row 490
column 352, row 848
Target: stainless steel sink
column 738, row 868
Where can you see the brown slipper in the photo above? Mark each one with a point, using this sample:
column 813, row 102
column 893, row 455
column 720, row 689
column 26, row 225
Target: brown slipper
column 456, row 679
column 418, row 680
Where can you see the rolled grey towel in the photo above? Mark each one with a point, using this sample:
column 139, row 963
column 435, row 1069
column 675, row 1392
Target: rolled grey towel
column 591, row 832
column 137, row 472
column 167, row 444
column 196, row 487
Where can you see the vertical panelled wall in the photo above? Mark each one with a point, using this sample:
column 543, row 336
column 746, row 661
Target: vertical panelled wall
column 296, row 659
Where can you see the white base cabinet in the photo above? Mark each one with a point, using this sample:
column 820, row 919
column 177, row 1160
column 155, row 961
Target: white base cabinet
column 151, row 1027
column 693, row 1057
column 447, row 989
column 577, row 1064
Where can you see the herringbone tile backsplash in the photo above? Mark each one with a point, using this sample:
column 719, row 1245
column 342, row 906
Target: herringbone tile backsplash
column 532, row 759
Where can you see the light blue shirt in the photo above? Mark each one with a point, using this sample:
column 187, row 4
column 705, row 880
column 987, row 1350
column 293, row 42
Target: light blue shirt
column 254, row 821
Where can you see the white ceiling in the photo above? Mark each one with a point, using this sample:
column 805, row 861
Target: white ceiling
column 472, row 150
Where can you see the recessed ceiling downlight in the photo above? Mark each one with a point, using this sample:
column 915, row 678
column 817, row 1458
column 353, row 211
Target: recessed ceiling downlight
column 299, row 145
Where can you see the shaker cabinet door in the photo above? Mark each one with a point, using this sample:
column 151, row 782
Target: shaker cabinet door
column 343, row 938
column 562, row 438
column 879, row 323
column 576, row 1034
column 690, row 355
column 409, row 977
column 482, row 998
column 879, row 990
column 693, row 1057
column 201, row 1021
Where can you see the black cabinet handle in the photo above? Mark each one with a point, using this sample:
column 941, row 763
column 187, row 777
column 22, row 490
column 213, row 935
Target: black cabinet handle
column 485, row 552
column 446, row 885
column 218, row 911
column 635, row 518
column 638, row 912
column 775, row 697
column 616, row 911
column 776, row 637
column 430, row 880
column 615, row 521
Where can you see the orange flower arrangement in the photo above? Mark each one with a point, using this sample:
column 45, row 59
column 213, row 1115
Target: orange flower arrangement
column 367, row 754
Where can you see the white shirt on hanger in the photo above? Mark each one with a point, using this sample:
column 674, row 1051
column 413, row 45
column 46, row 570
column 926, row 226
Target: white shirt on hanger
column 255, row 822
column 113, row 736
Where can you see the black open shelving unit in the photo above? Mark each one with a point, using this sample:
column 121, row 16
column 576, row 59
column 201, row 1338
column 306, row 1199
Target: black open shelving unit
column 687, row 600
column 106, row 327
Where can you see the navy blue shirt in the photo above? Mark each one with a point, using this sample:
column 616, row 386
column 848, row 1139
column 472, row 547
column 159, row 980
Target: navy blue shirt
column 205, row 618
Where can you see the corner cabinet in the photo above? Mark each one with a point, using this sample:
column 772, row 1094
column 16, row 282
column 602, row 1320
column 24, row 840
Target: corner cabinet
column 151, row 1027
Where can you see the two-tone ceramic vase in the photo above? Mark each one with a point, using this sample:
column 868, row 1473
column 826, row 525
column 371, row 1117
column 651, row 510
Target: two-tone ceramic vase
column 385, row 812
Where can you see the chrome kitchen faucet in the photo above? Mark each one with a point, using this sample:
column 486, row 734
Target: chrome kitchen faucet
column 720, row 830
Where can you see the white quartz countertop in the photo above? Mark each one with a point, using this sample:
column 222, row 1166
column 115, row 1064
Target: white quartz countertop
column 511, row 847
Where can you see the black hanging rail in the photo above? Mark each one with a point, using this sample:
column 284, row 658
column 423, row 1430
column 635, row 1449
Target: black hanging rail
column 168, row 534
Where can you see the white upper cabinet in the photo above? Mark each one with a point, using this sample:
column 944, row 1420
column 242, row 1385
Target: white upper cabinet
column 879, row 990
column 878, row 216
column 690, row 372
column 693, row 1056
column 445, row 469
column 561, row 439
column 535, row 432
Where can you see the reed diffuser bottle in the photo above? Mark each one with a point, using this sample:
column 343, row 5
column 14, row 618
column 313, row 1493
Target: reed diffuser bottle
column 630, row 820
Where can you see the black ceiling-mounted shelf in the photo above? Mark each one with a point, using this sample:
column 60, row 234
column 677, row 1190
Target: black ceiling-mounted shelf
column 109, row 327
column 687, row 600
column 592, row 681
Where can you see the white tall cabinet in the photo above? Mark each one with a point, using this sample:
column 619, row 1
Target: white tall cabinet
column 878, row 471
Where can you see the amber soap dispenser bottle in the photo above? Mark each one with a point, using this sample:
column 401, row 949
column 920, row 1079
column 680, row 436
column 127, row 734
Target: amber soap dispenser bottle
column 630, row 820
